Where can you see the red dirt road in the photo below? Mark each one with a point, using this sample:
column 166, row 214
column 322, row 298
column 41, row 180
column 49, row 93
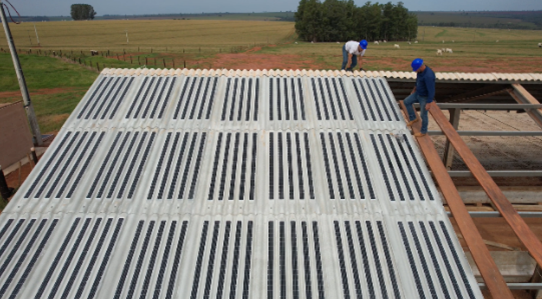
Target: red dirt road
column 12, row 94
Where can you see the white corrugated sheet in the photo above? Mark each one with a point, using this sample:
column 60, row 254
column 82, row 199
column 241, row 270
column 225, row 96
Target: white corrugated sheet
column 197, row 184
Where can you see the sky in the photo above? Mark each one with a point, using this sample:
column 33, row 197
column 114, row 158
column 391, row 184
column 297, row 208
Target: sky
column 62, row 7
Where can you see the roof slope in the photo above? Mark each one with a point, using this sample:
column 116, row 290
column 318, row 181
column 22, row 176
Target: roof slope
column 196, row 184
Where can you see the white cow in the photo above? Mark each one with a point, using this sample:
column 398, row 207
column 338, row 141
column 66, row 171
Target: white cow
column 497, row 41
column 416, row 42
column 443, row 42
column 376, row 42
column 385, row 41
column 448, row 50
column 296, row 43
column 409, row 43
column 439, row 52
column 396, row 46
column 540, row 45
column 453, row 41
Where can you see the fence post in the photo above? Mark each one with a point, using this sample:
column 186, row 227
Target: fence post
column 138, row 62
column 146, row 61
column 164, row 60
column 98, row 66
column 131, row 60
column 184, row 63
column 173, row 60
column 118, row 57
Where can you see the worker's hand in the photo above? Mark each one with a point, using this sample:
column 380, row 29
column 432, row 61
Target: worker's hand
column 428, row 106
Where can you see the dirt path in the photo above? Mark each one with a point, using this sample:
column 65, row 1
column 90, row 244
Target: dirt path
column 12, row 94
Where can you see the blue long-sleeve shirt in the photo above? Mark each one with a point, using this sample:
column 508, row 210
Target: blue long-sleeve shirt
column 425, row 84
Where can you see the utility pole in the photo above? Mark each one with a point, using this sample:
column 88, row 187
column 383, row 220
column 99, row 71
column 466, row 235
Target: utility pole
column 20, row 77
column 127, row 41
column 37, row 37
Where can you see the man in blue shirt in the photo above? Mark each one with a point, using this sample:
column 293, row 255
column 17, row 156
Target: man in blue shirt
column 423, row 93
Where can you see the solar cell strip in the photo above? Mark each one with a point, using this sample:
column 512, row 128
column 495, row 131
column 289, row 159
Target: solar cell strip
column 152, row 261
column 122, row 164
column 248, row 259
column 186, row 82
column 249, row 99
column 376, row 257
column 368, row 100
column 457, row 261
column 197, row 166
column 112, row 167
column 139, row 264
column 5, row 228
column 421, row 255
column 56, row 260
column 144, row 98
column 85, row 166
column 211, row 99
column 91, row 97
column 11, row 256
column 279, row 101
column 241, row 99
column 81, row 259
column 234, row 165
column 299, row 167
column 10, row 237
column 225, row 162
column 295, row 271
column 211, row 264
column 418, row 168
column 290, row 164
column 294, row 100
column 47, row 165
column 112, row 99
column 365, row 256
column 271, row 99
column 93, row 260
column 59, row 174
column 436, row 264
column 301, row 98
column 339, row 102
column 135, row 157
column 33, row 260
column 373, row 97
column 138, row 95
column 243, row 168
column 360, row 101
column 364, row 165
column 271, row 166
column 306, row 260
column 223, row 261
column 159, row 166
column 384, row 172
column 166, row 99
column 186, row 169
column 199, row 261
column 353, row 260
column 409, row 166
column 393, row 104
column 176, row 261
column 54, row 170
column 119, row 101
column 346, row 168
column 177, row 166
column 389, row 262
column 107, row 98
column 281, row 166
column 346, row 100
column 392, row 168
column 355, row 165
column 282, row 259
column 326, row 112
column 165, row 259
column 270, row 258
column 168, row 164
column 197, row 100
column 215, row 167
column 233, row 99
column 102, row 167
column 235, row 268
column 336, row 164
column 330, row 97
column 411, row 261
column 97, row 99
column 383, row 107
column 399, row 165
column 225, row 105
column 204, row 98
column 105, row 260
column 141, row 165
column 256, row 101
column 309, row 167
column 328, row 169
column 286, row 100
column 159, row 98
column 187, row 102
column 346, row 289
column 315, row 93
column 69, row 258
column 129, row 257
column 318, row 256
column 253, row 166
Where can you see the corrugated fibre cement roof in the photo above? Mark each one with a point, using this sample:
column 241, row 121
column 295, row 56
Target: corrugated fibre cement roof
column 232, row 185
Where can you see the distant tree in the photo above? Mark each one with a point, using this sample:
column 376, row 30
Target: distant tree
column 82, row 12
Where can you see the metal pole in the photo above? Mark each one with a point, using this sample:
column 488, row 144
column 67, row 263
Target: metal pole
column 37, row 37
column 20, row 76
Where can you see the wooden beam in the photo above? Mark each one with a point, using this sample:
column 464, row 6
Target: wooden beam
column 480, row 253
column 522, row 96
column 448, row 148
column 500, row 202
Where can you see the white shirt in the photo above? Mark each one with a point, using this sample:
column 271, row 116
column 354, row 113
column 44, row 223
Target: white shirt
column 352, row 48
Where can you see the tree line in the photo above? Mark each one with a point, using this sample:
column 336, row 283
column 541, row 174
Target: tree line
column 338, row 20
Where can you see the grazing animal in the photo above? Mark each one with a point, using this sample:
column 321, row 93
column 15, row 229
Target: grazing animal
column 385, row 41
column 448, row 50
column 540, row 45
column 453, row 41
column 338, row 43
column 409, row 43
column 497, row 41
column 376, row 42
column 416, row 42
column 312, row 42
column 296, row 43
column 93, row 53
column 439, row 52
column 443, row 42
column 396, row 46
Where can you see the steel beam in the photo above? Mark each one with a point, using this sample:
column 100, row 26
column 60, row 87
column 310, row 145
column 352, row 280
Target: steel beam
column 518, row 285
column 495, row 214
column 491, row 133
column 468, row 106
column 521, row 95
column 498, row 173
column 448, row 157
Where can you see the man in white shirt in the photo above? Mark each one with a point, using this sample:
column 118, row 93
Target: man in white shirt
column 351, row 49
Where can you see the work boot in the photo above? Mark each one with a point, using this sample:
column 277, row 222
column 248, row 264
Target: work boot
column 410, row 123
column 419, row 134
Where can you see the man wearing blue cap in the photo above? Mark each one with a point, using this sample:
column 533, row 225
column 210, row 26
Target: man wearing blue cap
column 351, row 49
column 423, row 93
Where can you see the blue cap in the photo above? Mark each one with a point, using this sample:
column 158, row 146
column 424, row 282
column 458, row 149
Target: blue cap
column 416, row 64
column 363, row 44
